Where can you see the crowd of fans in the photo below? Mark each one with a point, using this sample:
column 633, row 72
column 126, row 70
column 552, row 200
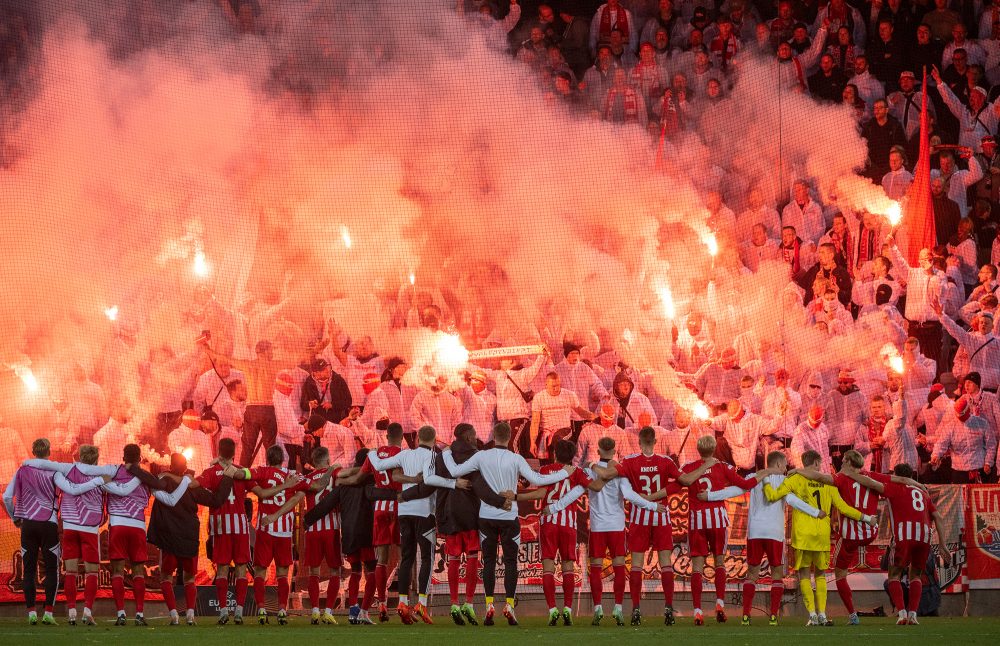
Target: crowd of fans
column 662, row 66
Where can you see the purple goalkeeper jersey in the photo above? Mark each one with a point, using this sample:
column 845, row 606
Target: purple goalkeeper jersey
column 85, row 510
column 34, row 494
column 131, row 506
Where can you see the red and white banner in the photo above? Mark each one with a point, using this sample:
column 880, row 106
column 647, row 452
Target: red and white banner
column 982, row 518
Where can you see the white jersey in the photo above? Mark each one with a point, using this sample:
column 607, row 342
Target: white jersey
column 607, row 511
column 766, row 520
column 414, row 461
column 500, row 469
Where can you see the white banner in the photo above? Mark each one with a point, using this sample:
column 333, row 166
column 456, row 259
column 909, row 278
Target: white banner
column 512, row 351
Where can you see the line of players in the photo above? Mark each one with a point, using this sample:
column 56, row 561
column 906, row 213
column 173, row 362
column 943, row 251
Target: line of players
column 394, row 496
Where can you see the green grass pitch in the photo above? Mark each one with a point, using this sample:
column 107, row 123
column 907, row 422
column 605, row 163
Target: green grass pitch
column 944, row 631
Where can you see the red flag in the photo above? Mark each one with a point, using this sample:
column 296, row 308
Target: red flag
column 660, row 165
column 918, row 215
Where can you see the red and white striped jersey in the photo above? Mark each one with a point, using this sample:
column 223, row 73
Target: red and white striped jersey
column 265, row 478
column 861, row 498
column 231, row 517
column 383, row 479
column 332, row 520
column 648, row 474
column 566, row 517
column 707, row 514
column 911, row 510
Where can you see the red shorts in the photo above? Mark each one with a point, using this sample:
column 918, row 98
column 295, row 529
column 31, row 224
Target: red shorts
column 613, row 542
column 846, row 552
column 169, row 563
column 557, row 539
column 703, row 542
column 911, row 554
column 323, row 546
column 758, row 548
column 462, row 542
column 385, row 530
column 364, row 555
column 231, row 548
column 127, row 544
column 272, row 548
column 642, row 538
column 76, row 545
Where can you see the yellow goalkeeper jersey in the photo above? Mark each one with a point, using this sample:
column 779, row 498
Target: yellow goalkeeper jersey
column 810, row 533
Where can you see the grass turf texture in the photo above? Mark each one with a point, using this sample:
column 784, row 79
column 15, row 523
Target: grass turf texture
column 792, row 630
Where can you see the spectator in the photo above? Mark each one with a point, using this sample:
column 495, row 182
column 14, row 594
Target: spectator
column 666, row 19
column 827, row 268
column 958, row 181
column 947, row 214
column 941, row 20
column 883, row 133
column 897, row 181
column 968, row 440
column 757, row 248
column 975, row 54
column 850, row 98
column 962, row 247
column 648, row 77
column 597, row 80
column 800, row 41
column 926, row 52
column 887, row 55
column 839, row 14
column 620, row 53
column 495, row 31
column 924, row 289
column 827, row 84
column 612, row 16
column 533, row 52
column 803, row 213
column 976, row 120
column 904, row 105
column 725, row 46
column 844, row 51
column 781, row 28
column 325, row 393
column 870, row 89
column 574, row 41
column 622, row 104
